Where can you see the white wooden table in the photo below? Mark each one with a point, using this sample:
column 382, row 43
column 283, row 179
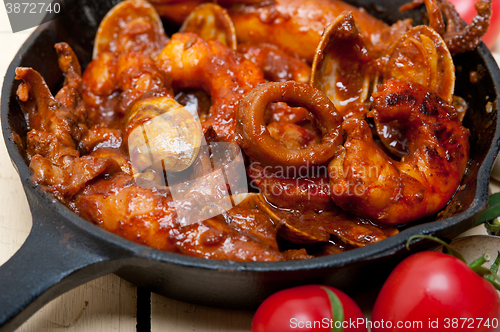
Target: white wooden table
column 108, row 303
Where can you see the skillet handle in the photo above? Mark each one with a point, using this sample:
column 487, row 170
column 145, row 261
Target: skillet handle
column 54, row 259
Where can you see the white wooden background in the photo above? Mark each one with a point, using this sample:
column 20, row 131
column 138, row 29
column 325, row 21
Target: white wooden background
column 107, row 303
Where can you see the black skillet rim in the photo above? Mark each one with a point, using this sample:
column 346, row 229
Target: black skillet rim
column 374, row 251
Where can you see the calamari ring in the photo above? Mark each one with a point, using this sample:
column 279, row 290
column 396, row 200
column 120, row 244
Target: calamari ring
column 254, row 137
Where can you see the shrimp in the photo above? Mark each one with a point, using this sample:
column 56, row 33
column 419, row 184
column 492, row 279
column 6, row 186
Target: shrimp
column 295, row 26
column 147, row 216
column 365, row 181
column 225, row 75
column 113, row 82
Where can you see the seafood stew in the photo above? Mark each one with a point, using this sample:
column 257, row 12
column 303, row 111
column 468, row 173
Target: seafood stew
column 57, row 265
column 91, row 125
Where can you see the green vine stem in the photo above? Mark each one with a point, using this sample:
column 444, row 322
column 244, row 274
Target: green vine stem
column 477, row 265
column 452, row 251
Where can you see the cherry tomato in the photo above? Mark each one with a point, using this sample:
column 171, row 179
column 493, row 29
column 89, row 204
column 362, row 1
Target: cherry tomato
column 432, row 291
column 306, row 308
column 467, row 11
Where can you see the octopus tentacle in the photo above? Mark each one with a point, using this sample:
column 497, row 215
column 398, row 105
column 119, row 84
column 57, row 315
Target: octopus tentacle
column 458, row 38
column 469, row 37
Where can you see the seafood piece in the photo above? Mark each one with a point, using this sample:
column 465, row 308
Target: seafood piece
column 100, row 137
column 56, row 124
column 146, row 216
column 161, row 130
column 65, row 182
column 277, row 65
column 421, row 56
column 122, row 207
column 255, row 139
column 104, row 142
column 213, row 239
column 226, row 76
column 253, row 222
column 392, row 136
column 118, row 155
column 306, row 226
column 296, row 26
column 112, row 83
column 195, row 101
column 368, row 183
column 178, row 10
column 342, row 66
column 290, row 189
column 211, row 22
column 131, row 25
column 344, row 70
column 459, row 38
column 290, row 135
column 281, row 112
column 63, row 115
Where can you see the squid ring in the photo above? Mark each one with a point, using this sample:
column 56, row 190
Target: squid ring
column 254, row 137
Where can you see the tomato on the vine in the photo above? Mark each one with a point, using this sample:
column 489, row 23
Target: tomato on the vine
column 308, row 308
column 432, row 291
column 467, row 11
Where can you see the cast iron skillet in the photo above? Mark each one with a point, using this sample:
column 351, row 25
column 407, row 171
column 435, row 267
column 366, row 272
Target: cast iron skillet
column 64, row 251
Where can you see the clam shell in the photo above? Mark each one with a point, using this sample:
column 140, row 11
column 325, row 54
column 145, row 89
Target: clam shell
column 341, row 66
column 211, row 22
column 137, row 18
column 172, row 137
column 421, row 56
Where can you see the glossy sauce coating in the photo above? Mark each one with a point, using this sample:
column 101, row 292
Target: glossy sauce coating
column 80, row 141
column 369, row 183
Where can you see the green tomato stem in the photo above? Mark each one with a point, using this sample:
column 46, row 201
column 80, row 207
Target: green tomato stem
column 494, row 270
column 485, row 273
column 493, row 226
column 452, row 251
column 490, row 275
column 337, row 310
column 480, row 261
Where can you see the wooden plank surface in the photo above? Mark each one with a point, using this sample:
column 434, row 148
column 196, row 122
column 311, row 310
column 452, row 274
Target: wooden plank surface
column 107, row 303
